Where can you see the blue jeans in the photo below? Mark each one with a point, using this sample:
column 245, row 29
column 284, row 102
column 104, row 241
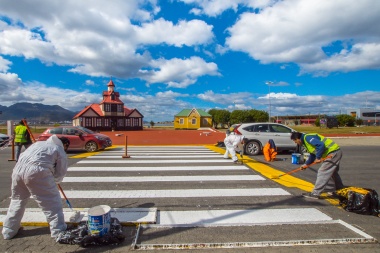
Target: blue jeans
column 19, row 147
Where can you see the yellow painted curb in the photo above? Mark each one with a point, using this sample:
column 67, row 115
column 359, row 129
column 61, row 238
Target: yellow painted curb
column 269, row 172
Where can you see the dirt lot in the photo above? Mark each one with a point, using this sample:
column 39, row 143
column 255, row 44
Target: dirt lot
column 208, row 137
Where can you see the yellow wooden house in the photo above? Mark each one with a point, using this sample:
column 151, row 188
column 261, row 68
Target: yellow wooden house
column 192, row 119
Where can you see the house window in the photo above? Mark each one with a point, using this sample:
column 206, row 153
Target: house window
column 120, row 122
column 106, row 122
column 181, row 121
column 127, row 122
column 98, row 122
column 193, row 121
column 107, row 107
column 120, row 108
column 88, row 122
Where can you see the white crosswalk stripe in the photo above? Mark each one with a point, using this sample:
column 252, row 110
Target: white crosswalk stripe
column 187, row 186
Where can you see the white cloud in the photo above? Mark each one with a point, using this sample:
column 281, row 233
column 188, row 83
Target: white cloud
column 178, row 73
column 361, row 56
column 214, row 8
column 4, row 64
column 189, row 33
column 301, row 31
column 100, row 39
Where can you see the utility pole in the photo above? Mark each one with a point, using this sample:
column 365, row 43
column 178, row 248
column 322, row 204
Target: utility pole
column 269, row 83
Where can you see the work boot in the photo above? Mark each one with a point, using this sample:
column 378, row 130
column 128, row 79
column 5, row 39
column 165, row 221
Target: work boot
column 310, row 195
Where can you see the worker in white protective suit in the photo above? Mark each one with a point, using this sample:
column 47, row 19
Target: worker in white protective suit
column 36, row 174
column 226, row 154
column 234, row 142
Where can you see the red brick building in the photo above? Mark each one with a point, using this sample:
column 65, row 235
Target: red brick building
column 110, row 114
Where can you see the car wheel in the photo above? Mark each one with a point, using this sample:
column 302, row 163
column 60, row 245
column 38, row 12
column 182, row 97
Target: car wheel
column 91, row 146
column 252, row 148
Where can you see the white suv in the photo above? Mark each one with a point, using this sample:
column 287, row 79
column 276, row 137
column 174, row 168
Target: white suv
column 258, row 134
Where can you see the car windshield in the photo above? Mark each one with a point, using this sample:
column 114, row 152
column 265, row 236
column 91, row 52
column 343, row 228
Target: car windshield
column 86, row 130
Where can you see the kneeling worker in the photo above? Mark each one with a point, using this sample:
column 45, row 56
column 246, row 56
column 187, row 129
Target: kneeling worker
column 320, row 147
column 36, row 174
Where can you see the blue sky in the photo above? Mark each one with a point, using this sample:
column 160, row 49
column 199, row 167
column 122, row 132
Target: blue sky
column 165, row 56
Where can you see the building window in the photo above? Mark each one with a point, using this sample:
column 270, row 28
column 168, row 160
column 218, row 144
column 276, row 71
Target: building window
column 194, row 121
column 107, row 107
column 127, row 122
column 120, row 122
column 106, row 122
column 88, row 122
column 99, row 122
column 120, row 108
column 181, row 121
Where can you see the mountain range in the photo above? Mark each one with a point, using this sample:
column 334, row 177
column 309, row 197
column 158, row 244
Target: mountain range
column 36, row 112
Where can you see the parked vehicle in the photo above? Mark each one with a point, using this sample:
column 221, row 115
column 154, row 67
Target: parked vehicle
column 80, row 138
column 3, row 139
column 258, row 134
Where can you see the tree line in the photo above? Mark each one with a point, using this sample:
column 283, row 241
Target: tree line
column 224, row 118
column 227, row 118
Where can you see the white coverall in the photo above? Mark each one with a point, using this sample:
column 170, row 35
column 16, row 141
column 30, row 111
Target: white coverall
column 36, row 173
column 232, row 142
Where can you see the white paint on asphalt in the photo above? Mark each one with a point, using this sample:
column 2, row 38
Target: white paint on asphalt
column 181, row 193
column 163, row 179
column 166, row 168
column 161, row 152
column 249, row 216
column 131, row 161
column 148, row 156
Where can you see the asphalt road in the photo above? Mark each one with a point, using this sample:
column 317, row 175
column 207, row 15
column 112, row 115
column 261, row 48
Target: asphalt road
column 360, row 167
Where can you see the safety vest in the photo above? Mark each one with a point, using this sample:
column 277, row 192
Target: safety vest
column 330, row 145
column 20, row 134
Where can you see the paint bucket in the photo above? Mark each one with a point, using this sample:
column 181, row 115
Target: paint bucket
column 99, row 220
column 296, row 158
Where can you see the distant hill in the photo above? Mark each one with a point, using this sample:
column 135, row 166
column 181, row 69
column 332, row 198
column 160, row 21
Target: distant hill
column 36, row 113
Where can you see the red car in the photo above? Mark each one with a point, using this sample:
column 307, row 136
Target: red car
column 80, row 138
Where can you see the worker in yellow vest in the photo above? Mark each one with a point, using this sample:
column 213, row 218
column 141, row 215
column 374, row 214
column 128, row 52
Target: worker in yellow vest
column 321, row 147
column 22, row 138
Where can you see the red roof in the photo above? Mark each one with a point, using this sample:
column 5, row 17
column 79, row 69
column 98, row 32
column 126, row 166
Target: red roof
column 94, row 107
column 107, row 98
column 110, row 83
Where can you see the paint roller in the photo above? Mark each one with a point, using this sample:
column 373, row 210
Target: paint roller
column 298, row 169
column 75, row 214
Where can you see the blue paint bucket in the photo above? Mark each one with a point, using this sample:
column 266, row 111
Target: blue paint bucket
column 99, row 220
column 296, row 158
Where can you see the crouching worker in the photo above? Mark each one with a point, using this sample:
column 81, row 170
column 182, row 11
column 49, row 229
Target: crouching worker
column 39, row 169
column 321, row 147
column 234, row 142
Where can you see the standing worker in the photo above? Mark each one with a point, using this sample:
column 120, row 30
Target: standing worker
column 320, row 147
column 226, row 154
column 234, row 141
column 36, row 174
column 22, row 138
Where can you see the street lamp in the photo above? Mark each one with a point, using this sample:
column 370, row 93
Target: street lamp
column 269, row 84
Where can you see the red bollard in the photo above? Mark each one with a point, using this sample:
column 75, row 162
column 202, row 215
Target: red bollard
column 126, row 148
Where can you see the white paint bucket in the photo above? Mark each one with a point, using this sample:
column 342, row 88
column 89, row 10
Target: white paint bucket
column 296, row 158
column 99, row 220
